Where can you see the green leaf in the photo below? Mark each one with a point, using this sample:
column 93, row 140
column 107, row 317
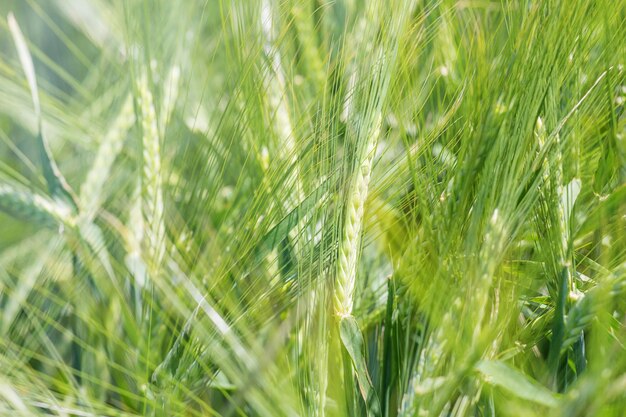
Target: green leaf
column 352, row 340
column 278, row 233
column 569, row 196
column 56, row 182
column 502, row 375
column 27, row 63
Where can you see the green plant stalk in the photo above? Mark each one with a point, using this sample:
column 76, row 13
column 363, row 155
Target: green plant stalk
column 388, row 363
column 558, row 325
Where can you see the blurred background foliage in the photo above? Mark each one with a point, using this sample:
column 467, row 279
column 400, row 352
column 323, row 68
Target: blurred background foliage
column 213, row 151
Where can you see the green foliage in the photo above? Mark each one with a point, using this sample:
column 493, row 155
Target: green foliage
column 308, row 207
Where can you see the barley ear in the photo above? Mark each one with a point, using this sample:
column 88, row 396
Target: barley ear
column 110, row 147
column 353, row 222
column 151, row 180
column 171, row 86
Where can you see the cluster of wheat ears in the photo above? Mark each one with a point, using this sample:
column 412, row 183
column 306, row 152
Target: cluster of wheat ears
column 384, row 208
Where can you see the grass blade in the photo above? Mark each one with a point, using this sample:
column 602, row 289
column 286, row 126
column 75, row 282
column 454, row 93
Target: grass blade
column 352, row 340
column 57, row 184
column 502, row 375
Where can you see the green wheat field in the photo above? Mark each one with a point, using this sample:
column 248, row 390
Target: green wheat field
column 326, row 208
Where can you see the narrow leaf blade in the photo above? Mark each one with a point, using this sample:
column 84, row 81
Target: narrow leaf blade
column 352, row 340
column 502, row 375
